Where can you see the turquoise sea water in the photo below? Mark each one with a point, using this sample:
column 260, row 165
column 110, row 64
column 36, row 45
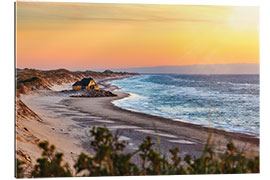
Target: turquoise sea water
column 229, row 102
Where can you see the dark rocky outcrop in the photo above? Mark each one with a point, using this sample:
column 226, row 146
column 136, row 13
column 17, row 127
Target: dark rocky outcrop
column 88, row 93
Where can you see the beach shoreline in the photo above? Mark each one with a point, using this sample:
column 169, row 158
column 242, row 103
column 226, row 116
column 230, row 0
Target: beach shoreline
column 111, row 87
column 185, row 130
column 66, row 122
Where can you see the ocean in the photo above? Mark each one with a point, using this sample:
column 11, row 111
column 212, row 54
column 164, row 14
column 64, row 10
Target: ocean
column 228, row 102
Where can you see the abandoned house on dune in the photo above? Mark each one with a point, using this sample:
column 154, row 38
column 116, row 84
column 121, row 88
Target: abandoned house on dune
column 85, row 83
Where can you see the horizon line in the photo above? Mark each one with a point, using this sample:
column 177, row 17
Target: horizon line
column 106, row 68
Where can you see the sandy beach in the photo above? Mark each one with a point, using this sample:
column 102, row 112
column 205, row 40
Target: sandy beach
column 67, row 122
column 135, row 125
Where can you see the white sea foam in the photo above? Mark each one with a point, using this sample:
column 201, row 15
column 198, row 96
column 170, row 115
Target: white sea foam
column 230, row 103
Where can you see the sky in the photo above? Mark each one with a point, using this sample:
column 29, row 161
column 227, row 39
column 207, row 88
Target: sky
column 80, row 36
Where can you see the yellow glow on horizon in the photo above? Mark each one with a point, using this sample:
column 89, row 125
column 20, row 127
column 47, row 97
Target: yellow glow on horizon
column 93, row 36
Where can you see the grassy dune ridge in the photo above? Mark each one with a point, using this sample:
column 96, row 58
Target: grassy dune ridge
column 28, row 80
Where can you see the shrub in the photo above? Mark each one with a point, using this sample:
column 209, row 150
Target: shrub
column 19, row 169
column 109, row 160
column 50, row 164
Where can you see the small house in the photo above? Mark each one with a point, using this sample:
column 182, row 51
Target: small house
column 85, row 83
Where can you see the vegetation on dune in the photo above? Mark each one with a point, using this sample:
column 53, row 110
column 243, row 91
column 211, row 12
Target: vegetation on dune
column 109, row 160
column 29, row 80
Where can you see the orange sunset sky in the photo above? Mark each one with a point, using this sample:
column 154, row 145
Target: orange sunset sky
column 99, row 36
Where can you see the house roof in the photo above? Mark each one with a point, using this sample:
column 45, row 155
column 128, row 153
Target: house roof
column 78, row 83
column 83, row 82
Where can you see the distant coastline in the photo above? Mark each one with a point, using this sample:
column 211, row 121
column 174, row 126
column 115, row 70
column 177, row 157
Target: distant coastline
column 236, row 68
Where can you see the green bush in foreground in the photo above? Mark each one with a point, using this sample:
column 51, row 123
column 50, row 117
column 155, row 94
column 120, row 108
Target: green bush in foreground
column 50, row 163
column 109, row 160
